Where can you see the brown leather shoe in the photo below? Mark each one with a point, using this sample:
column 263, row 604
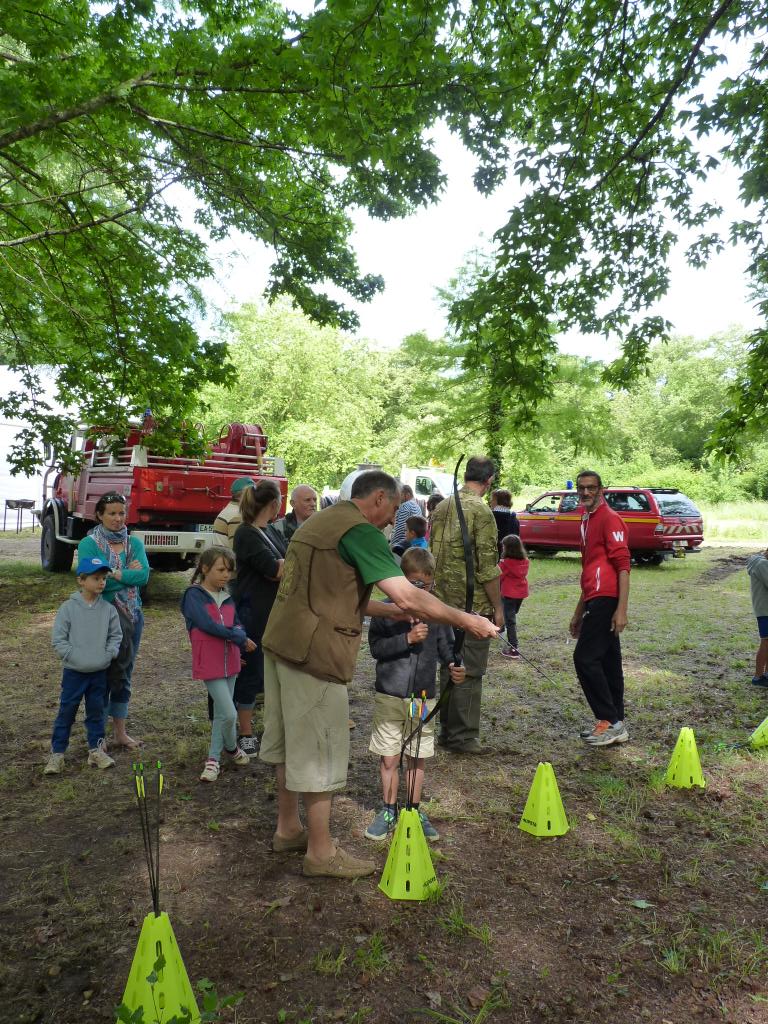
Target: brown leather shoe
column 340, row 865
column 297, row 843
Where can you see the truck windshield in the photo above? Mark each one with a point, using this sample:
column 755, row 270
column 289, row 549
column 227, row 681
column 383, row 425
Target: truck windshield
column 676, row 505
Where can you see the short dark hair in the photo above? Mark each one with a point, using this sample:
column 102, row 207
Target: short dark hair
column 479, row 469
column 406, row 491
column 417, row 525
column 418, row 560
column 110, row 498
column 375, row 480
column 590, row 472
column 502, row 497
column 433, row 501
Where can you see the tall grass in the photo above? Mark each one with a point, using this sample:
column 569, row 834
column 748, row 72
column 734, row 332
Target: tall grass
column 736, row 521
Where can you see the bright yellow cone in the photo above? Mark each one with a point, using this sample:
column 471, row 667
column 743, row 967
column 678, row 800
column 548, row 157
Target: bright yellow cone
column 685, row 767
column 759, row 737
column 408, row 873
column 544, row 814
column 172, row 992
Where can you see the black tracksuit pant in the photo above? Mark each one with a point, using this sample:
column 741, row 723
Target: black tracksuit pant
column 597, row 659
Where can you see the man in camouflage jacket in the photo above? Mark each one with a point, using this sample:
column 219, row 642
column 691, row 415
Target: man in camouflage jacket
column 460, row 721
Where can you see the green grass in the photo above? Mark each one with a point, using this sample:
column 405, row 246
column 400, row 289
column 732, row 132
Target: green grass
column 736, row 522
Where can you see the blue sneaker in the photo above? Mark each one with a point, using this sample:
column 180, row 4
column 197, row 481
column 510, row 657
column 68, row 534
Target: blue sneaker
column 382, row 825
column 430, row 832
column 760, row 681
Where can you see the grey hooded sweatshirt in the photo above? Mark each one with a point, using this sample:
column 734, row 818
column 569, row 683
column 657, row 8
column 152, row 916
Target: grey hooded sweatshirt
column 86, row 636
column 757, row 567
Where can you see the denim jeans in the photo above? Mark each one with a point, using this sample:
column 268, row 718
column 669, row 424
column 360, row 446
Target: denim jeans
column 224, row 727
column 74, row 687
column 118, row 702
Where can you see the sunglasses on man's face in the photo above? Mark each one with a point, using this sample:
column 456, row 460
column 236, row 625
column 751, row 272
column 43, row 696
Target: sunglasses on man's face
column 422, row 585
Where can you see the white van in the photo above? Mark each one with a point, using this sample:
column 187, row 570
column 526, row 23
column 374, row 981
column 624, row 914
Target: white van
column 426, row 481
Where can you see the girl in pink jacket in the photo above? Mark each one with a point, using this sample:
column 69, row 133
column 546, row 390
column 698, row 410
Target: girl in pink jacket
column 514, row 588
column 217, row 639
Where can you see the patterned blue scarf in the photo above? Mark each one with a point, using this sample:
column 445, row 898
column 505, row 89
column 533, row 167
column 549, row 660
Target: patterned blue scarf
column 128, row 598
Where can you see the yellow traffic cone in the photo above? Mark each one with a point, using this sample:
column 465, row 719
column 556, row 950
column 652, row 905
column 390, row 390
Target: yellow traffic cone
column 408, row 873
column 759, row 737
column 165, row 991
column 684, row 769
column 544, row 814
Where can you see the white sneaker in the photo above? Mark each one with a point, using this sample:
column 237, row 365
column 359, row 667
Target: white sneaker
column 99, row 758
column 55, row 764
column 211, row 771
column 238, row 756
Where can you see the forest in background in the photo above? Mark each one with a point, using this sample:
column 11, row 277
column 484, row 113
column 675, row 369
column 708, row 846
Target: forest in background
column 328, row 402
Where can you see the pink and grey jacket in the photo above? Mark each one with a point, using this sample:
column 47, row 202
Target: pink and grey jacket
column 216, row 634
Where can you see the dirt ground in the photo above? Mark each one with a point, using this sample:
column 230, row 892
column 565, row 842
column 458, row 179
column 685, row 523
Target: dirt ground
column 652, row 907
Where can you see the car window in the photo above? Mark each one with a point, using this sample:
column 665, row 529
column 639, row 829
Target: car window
column 623, row 502
column 676, row 504
column 570, row 501
column 424, row 486
column 548, row 503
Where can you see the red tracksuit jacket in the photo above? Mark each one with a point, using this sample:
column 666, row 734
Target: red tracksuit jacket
column 604, row 552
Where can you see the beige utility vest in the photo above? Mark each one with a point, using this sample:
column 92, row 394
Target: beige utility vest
column 316, row 622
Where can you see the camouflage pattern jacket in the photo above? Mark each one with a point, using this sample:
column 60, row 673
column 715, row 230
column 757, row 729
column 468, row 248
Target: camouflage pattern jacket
column 446, row 545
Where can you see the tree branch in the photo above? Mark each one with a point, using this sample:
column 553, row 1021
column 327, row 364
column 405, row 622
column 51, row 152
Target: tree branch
column 73, row 113
column 671, row 92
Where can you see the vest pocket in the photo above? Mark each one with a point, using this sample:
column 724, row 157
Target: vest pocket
column 302, row 635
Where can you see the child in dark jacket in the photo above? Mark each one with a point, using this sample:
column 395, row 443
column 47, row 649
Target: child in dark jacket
column 406, row 665
column 217, row 639
column 514, row 588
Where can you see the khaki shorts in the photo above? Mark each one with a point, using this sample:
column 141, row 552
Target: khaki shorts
column 306, row 728
column 392, row 724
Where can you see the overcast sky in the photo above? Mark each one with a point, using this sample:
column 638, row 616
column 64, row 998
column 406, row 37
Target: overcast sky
column 420, row 254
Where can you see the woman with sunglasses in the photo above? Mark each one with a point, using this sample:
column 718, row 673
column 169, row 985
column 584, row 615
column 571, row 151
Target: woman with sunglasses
column 129, row 571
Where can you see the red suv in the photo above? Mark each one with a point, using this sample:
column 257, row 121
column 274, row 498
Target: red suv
column 660, row 521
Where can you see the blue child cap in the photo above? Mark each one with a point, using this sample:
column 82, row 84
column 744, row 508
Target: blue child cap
column 88, row 566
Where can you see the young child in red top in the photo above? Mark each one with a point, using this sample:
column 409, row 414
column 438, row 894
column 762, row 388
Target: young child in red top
column 601, row 612
column 514, row 588
column 217, row 639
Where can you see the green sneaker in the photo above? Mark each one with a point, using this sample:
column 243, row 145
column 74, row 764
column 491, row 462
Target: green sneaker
column 382, row 825
column 430, row 832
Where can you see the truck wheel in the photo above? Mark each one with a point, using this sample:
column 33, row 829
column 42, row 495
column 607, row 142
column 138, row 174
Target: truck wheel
column 648, row 558
column 55, row 556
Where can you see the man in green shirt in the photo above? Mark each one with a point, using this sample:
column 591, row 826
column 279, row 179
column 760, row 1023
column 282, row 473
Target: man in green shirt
column 460, row 720
column 311, row 645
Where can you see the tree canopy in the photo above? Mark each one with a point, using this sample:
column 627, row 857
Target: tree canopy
column 278, row 125
column 275, row 124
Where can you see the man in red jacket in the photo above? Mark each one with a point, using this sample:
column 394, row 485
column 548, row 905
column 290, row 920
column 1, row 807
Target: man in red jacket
column 601, row 613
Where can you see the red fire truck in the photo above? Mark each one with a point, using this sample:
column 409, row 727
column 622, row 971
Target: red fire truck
column 172, row 501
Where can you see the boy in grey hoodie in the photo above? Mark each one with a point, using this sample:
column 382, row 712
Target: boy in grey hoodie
column 757, row 567
column 86, row 636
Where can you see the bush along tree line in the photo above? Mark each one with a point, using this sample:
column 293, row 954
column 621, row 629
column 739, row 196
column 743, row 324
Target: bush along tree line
column 277, row 124
column 328, row 401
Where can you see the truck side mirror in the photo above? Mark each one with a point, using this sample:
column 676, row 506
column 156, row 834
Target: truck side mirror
column 528, row 508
